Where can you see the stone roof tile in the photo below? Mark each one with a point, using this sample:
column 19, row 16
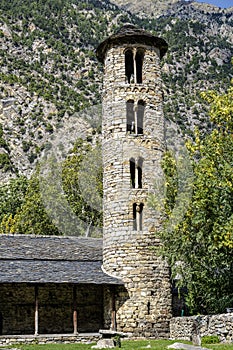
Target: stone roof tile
column 34, row 271
column 130, row 34
column 50, row 247
column 52, row 259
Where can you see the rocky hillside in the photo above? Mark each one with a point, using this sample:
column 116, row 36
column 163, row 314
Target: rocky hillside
column 154, row 8
column 146, row 8
column 49, row 71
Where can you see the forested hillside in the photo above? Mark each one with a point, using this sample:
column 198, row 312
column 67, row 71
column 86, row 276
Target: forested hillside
column 49, row 72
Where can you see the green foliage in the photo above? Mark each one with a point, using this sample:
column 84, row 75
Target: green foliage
column 51, row 54
column 3, row 142
column 68, row 200
column 171, row 186
column 70, row 32
column 199, row 247
column 12, row 197
column 117, row 341
column 32, row 217
column 5, row 162
column 210, row 339
column 82, row 183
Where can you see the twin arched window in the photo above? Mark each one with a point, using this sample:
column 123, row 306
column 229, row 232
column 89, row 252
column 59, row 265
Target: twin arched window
column 135, row 116
column 133, row 65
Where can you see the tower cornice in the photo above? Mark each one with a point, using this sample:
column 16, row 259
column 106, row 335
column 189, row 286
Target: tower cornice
column 130, row 34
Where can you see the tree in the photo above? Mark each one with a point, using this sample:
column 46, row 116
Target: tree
column 60, row 198
column 82, row 182
column 199, row 247
column 31, row 217
column 12, row 197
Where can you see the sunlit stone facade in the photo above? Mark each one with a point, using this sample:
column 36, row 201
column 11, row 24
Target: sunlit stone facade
column 133, row 144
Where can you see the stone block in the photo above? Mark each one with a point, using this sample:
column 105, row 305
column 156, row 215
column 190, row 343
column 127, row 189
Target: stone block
column 104, row 344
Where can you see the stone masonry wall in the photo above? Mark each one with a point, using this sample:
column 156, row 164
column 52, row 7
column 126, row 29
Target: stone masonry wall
column 17, row 308
column 128, row 253
column 51, row 339
column 220, row 325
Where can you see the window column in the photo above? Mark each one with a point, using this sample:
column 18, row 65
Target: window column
column 75, row 310
column 137, row 216
column 36, row 311
column 133, row 65
column 135, row 168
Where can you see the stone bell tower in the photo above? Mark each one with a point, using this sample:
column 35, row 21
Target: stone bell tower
column 133, row 144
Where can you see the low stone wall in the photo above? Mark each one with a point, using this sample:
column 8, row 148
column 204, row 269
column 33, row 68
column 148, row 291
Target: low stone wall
column 46, row 339
column 220, row 325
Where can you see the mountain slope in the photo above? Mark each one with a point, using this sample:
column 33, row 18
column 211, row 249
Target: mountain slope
column 49, row 71
column 145, row 8
column 154, row 8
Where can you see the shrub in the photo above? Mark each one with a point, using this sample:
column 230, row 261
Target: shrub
column 210, row 339
column 5, row 163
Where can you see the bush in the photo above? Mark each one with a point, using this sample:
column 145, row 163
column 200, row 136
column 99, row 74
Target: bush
column 210, row 339
column 5, row 163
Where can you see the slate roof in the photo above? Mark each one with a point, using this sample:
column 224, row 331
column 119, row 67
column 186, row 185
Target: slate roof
column 130, row 34
column 50, row 247
column 52, row 259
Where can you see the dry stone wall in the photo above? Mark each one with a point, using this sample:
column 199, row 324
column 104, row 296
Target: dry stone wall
column 220, row 325
column 49, row 339
column 130, row 253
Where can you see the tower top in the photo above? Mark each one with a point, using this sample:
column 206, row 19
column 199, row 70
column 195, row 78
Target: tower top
column 130, row 34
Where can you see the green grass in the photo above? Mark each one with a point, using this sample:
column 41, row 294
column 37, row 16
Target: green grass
column 126, row 345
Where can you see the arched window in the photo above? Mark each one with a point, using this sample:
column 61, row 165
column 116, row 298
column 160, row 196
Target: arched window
column 130, row 116
column 140, row 116
column 139, row 62
column 133, row 65
column 137, row 216
column 129, row 65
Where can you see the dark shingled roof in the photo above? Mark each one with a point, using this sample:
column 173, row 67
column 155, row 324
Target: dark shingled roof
column 130, row 34
column 52, row 259
column 50, row 247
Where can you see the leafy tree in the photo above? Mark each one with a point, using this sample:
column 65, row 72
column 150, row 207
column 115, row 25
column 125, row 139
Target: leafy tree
column 199, row 247
column 82, row 183
column 11, row 199
column 5, row 162
column 3, row 142
column 61, row 198
column 31, row 218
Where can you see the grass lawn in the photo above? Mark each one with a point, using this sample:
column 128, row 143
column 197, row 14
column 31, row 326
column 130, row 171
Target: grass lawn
column 126, row 345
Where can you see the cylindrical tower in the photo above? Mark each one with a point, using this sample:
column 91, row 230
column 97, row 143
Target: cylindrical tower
column 133, row 143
